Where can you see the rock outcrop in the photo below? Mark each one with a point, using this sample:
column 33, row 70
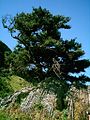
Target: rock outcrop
column 29, row 98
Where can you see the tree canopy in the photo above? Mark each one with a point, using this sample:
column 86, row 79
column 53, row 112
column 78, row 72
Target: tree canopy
column 41, row 52
column 3, row 49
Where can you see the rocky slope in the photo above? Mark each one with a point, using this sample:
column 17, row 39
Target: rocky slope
column 37, row 101
column 41, row 101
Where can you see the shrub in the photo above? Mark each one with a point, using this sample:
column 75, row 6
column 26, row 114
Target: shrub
column 5, row 88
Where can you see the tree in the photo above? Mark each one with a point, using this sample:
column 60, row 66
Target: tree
column 38, row 33
column 3, row 50
column 18, row 62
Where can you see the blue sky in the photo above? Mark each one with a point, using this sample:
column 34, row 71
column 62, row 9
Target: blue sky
column 78, row 10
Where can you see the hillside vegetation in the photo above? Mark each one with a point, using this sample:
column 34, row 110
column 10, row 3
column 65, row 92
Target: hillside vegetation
column 40, row 102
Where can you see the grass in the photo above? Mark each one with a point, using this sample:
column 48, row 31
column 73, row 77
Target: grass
column 4, row 116
column 18, row 83
column 5, row 88
column 11, row 84
column 15, row 83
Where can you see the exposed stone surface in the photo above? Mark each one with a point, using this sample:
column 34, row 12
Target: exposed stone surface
column 42, row 97
column 12, row 98
column 36, row 96
column 39, row 97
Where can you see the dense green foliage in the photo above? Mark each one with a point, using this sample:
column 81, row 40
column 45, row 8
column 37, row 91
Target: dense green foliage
column 4, row 116
column 41, row 52
column 5, row 88
column 11, row 84
column 3, row 49
column 18, row 61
